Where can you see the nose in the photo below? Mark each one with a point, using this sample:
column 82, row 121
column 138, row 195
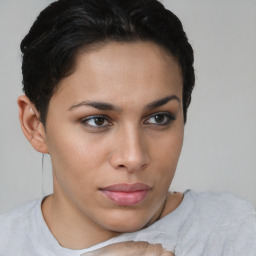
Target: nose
column 130, row 151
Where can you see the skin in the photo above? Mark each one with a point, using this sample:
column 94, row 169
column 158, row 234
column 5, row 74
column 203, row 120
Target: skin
column 135, row 141
column 130, row 249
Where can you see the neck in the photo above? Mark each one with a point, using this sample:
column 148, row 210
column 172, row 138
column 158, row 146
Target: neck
column 69, row 227
column 76, row 231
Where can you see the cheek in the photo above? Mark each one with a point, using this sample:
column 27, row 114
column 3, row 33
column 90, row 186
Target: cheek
column 166, row 156
column 73, row 146
column 169, row 146
column 76, row 157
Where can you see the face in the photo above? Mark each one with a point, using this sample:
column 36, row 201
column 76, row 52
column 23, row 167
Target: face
column 114, row 131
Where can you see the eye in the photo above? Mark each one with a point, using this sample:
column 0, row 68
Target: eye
column 96, row 122
column 160, row 119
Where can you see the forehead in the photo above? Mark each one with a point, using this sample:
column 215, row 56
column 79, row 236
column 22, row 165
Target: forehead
column 115, row 71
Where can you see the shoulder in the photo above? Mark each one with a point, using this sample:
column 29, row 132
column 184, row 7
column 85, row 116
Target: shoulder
column 18, row 215
column 15, row 223
column 219, row 222
column 226, row 206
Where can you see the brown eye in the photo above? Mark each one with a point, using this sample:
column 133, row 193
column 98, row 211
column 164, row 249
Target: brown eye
column 160, row 119
column 99, row 121
column 96, row 122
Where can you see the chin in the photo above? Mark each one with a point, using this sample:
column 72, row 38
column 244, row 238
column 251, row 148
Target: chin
column 124, row 229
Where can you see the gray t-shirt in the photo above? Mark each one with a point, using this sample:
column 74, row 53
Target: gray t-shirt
column 203, row 224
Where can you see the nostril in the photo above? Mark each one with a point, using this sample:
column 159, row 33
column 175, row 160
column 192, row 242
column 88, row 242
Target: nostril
column 144, row 166
column 131, row 158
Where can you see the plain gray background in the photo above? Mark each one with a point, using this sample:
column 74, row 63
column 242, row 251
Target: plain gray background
column 219, row 152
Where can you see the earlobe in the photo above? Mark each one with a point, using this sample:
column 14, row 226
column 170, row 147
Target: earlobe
column 31, row 125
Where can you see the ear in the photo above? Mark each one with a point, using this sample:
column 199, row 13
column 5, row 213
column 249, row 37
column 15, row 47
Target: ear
column 31, row 125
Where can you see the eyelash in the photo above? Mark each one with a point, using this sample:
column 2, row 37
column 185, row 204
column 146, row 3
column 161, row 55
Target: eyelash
column 168, row 118
column 85, row 121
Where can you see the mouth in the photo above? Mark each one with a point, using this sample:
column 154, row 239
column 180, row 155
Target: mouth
column 126, row 194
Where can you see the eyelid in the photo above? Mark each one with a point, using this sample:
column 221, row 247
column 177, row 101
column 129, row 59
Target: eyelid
column 169, row 115
column 84, row 121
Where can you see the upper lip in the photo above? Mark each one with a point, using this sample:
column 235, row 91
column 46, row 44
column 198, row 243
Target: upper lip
column 124, row 187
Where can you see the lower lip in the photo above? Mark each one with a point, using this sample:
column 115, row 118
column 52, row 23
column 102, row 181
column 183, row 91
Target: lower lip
column 126, row 198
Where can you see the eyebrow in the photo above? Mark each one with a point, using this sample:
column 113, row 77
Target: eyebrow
column 110, row 107
column 161, row 102
column 98, row 105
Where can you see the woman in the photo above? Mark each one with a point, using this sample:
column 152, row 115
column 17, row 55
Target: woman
column 107, row 87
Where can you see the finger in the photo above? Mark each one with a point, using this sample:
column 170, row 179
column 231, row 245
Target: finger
column 166, row 253
column 157, row 250
column 129, row 248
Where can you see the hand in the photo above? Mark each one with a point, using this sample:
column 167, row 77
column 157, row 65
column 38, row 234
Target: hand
column 130, row 249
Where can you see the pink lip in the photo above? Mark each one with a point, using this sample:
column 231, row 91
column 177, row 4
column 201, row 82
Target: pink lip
column 126, row 194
